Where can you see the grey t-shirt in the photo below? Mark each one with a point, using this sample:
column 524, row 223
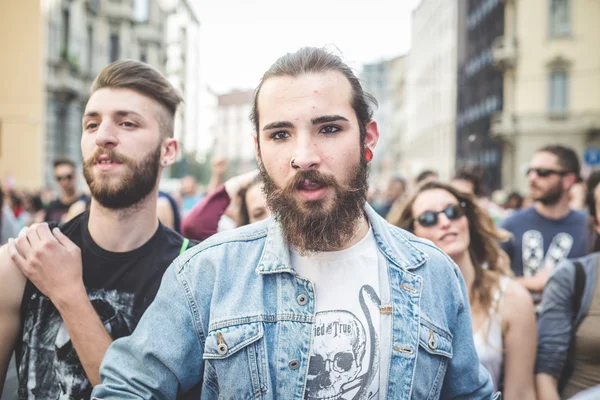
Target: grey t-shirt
column 540, row 242
column 10, row 227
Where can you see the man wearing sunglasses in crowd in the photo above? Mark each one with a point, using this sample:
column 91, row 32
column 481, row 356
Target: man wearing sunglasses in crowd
column 550, row 230
column 65, row 175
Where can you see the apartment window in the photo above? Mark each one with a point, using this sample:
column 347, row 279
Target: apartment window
column 64, row 52
column 114, row 47
column 560, row 22
column 143, row 54
column 559, row 85
column 141, row 10
column 90, row 49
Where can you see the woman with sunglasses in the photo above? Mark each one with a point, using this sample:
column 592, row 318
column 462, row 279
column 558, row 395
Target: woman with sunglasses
column 502, row 311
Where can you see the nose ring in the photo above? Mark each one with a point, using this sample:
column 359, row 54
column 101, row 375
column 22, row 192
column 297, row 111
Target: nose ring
column 294, row 165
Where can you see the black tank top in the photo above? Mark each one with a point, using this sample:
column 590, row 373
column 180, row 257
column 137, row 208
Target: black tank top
column 120, row 286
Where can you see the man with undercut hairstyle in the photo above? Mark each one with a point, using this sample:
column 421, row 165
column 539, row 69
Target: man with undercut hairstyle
column 325, row 300
column 66, row 294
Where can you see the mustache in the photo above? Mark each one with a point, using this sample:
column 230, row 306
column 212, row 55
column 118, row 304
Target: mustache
column 319, row 178
column 111, row 153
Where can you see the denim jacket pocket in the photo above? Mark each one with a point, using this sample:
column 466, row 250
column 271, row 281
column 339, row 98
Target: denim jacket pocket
column 236, row 359
column 435, row 352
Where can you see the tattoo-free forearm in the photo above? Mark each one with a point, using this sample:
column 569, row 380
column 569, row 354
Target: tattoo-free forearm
column 547, row 387
column 88, row 335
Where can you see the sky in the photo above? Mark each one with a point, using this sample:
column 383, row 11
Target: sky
column 240, row 39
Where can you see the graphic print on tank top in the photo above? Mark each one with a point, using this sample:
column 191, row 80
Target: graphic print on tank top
column 534, row 259
column 49, row 360
column 344, row 358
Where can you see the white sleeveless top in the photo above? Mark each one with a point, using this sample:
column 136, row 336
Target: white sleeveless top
column 490, row 349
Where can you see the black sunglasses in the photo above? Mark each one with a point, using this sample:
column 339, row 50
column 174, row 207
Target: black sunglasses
column 452, row 212
column 64, row 178
column 545, row 172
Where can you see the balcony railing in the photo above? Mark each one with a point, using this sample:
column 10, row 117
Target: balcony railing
column 504, row 52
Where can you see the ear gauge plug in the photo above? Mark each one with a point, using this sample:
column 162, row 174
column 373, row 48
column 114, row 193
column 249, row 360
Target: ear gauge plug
column 368, row 154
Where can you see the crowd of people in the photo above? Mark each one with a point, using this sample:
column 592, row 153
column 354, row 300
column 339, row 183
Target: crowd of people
column 294, row 280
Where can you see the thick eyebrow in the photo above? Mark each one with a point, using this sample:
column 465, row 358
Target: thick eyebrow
column 278, row 125
column 314, row 121
column 327, row 118
column 120, row 113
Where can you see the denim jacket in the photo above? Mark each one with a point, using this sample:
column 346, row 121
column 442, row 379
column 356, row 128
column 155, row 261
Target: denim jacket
column 233, row 316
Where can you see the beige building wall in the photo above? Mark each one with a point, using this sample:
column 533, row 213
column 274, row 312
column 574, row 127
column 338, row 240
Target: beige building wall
column 430, row 138
column 234, row 132
column 529, row 54
column 22, row 95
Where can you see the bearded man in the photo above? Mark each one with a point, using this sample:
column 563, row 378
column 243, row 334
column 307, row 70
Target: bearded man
column 550, row 230
column 323, row 301
column 66, row 294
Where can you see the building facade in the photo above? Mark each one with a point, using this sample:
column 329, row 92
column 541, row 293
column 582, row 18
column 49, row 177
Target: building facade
column 480, row 87
column 386, row 81
column 430, row 137
column 233, row 138
column 182, row 66
column 83, row 37
column 22, row 94
column 551, row 66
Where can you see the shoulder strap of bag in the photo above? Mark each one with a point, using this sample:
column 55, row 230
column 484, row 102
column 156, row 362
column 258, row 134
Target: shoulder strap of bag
column 578, row 292
column 184, row 245
column 569, row 365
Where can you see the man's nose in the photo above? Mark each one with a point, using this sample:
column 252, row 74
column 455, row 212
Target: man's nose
column 106, row 135
column 306, row 155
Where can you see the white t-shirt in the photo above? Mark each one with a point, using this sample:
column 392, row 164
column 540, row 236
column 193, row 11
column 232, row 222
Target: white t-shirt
column 345, row 351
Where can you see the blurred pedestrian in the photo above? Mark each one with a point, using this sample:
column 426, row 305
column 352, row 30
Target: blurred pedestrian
column 68, row 293
column 9, row 226
column 550, row 230
column 502, row 310
column 35, row 209
column 426, row 175
column 514, row 201
column 66, row 177
column 190, row 196
column 395, row 191
column 569, row 344
column 577, row 196
column 471, row 180
column 168, row 212
column 244, row 191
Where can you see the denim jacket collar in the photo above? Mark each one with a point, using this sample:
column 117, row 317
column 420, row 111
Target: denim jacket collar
column 397, row 248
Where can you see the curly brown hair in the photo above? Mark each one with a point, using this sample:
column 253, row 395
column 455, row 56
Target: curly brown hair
column 489, row 260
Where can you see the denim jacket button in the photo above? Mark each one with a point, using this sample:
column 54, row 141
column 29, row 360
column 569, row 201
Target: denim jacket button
column 222, row 349
column 432, row 343
column 302, row 299
column 294, row 364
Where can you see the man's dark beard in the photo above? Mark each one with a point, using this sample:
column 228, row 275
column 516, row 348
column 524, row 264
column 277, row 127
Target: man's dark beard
column 308, row 225
column 551, row 196
column 137, row 182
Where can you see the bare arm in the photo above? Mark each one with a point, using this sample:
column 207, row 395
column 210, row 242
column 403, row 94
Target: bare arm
column 219, row 167
column 547, row 387
column 12, row 285
column 535, row 283
column 520, row 343
column 88, row 335
column 53, row 264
